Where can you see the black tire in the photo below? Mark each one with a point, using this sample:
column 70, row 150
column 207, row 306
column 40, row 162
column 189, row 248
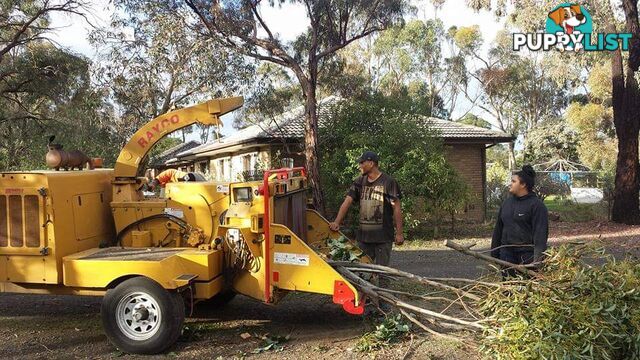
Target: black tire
column 141, row 317
column 218, row 300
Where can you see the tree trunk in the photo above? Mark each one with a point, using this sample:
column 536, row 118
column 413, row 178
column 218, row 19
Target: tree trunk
column 311, row 146
column 625, row 202
column 626, row 105
column 512, row 156
column 626, row 207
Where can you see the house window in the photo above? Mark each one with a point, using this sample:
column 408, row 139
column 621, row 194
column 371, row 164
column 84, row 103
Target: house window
column 203, row 168
column 249, row 164
column 246, row 162
column 223, row 170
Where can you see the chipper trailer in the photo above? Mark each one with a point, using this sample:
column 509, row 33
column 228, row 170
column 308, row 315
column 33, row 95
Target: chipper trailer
column 92, row 232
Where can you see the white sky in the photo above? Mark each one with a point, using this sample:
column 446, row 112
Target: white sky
column 72, row 30
column 288, row 22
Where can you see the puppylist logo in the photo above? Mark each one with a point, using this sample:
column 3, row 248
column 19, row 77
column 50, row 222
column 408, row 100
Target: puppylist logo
column 570, row 27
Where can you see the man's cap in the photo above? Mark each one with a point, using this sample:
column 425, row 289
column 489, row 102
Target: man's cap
column 368, row 155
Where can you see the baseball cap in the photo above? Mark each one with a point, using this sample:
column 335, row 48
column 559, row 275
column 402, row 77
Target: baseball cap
column 368, row 155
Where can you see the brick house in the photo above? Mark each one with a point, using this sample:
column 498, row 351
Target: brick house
column 234, row 157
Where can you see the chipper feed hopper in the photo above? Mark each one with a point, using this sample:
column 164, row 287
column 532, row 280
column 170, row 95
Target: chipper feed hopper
column 92, row 232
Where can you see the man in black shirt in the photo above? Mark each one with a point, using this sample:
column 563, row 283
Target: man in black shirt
column 379, row 197
column 522, row 228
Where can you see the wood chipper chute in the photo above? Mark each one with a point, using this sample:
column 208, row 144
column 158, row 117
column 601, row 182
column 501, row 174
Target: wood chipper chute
column 93, row 232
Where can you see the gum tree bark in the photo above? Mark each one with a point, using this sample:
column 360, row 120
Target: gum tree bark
column 626, row 117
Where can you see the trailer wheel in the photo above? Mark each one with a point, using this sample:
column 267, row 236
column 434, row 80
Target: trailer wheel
column 141, row 317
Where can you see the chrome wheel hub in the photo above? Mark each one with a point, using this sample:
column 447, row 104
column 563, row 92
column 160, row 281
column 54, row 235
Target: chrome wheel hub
column 138, row 316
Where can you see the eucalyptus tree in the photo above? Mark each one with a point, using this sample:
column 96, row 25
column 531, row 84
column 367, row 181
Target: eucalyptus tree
column 517, row 92
column 151, row 63
column 608, row 17
column 240, row 25
column 44, row 89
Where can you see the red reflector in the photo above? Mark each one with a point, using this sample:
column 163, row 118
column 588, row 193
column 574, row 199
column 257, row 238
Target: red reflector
column 342, row 294
column 276, row 276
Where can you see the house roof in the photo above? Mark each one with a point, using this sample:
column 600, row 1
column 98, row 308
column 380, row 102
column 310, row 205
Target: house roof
column 454, row 131
column 171, row 153
column 290, row 125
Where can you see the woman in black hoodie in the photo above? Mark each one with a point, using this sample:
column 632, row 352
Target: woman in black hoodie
column 522, row 229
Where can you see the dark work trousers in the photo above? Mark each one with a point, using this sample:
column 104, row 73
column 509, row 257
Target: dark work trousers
column 515, row 255
column 380, row 253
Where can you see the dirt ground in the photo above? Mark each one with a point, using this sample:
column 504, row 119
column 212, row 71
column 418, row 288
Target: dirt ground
column 64, row 327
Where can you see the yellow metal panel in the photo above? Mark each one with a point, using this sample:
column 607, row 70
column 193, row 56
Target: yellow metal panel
column 126, row 213
column 209, row 262
column 141, row 238
column 55, row 221
column 25, row 269
column 299, row 267
column 25, row 214
column 148, row 211
column 252, row 283
column 95, row 268
column 61, row 227
column 201, row 203
column 51, row 270
column 123, row 217
column 154, row 203
column 207, row 290
column 87, row 209
column 142, row 141
column 239, row 213
column 3, row 268
column 46, row 289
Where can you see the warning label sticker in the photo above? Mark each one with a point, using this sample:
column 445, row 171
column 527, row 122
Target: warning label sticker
column 175, row 212
column 291, row 259
column 222, row 188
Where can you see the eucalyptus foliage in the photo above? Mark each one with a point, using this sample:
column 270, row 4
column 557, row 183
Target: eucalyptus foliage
column 392, row 329
column 341, row 249
column 574, row 311
column 45, row 89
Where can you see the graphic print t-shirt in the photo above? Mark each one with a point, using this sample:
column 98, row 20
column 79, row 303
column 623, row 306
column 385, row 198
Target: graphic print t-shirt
column 376, row 210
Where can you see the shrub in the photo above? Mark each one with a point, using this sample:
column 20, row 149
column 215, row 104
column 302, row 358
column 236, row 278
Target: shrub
column 497, row 191
column 409, row 151
column 576, row 311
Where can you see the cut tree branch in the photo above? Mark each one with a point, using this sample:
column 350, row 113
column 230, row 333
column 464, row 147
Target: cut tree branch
column 401, row 273
column 520, row 268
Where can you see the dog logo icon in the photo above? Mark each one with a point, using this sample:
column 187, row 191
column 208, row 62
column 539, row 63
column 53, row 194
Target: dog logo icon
column 570, row 27
column 572, row 20
column 569, row 17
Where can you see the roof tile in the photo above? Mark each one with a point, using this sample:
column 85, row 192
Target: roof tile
column 291, row 125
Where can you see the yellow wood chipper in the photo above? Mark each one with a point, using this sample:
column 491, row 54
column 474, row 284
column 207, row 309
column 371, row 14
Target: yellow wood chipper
column 93, row 232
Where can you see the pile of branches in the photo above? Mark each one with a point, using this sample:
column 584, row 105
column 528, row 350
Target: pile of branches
column 578, row 304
